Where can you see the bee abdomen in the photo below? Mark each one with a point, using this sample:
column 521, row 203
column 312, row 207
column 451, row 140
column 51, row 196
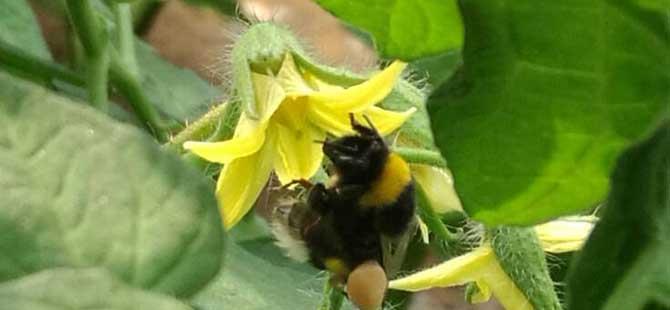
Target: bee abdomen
column 393, row 219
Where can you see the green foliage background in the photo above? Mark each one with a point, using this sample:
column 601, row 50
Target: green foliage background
column 532, row 103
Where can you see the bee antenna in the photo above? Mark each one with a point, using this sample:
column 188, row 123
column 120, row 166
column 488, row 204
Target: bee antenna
column 369, row 121
column 320, row 141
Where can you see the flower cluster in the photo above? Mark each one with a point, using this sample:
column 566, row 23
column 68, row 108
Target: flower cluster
column 296, row 108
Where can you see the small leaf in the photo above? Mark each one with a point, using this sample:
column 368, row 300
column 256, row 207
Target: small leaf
column 19, row 28
column 79, row 289
column 533, row 121
column 404, row 29
column 79, row 189
column 624, row 264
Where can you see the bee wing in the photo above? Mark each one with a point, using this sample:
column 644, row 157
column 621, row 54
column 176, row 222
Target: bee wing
column 395, row 248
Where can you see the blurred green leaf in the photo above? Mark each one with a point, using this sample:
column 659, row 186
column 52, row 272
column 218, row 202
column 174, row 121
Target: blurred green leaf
column 624, row 265
column 549, row 95
column 436, row 70
column 79, row 189
column 404, row 29
column 178, row 92
column 19, row 28
column 257, row 276
column 79, row 289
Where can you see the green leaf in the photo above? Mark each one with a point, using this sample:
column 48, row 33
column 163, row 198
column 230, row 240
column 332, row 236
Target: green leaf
column 404, row 29
column 79, row 189
column 436, row 70
column 257, row 276
column 19, row 28
column 549, row 95
column 624, row 265
column 79, row 289
column 178, row 92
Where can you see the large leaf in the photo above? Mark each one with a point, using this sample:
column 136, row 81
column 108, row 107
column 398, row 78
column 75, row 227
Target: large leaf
column 79, row 289
column 178, row 92
column 625, row 263
column 257, row 276
column 79, row 189
column 404, row 29
column 549, row 94
column 19, row 28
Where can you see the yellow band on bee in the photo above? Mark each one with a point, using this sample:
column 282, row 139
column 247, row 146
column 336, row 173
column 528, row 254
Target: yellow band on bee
column 392, row 181
column 336, row 266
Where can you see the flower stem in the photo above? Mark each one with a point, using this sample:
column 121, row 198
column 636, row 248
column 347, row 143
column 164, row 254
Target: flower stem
column 129, row 85
column 332, row 297
column 215, row 125
column 95, row 40
column 421, row 156
column 448, row 240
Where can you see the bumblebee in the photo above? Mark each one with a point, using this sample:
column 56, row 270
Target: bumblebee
column 340, row 226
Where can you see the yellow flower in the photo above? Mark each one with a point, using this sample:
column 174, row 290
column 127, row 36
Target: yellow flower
column 566, row 234
column 295, row 110
column 479, row 266
column 482, row 267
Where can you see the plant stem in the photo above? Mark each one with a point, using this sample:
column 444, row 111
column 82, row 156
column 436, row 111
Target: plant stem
column 95, row 40
column 215, row 125
column 448, row 239
column 332, row 297
column 125, row 38
column 36, row 69
column 421, row 156
column 130, row 87
column 125, row 75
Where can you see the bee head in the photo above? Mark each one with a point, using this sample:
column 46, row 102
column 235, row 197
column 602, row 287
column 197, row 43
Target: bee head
column 357, row 158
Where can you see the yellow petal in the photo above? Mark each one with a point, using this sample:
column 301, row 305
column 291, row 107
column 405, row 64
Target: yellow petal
column 299, row 155
column 319, row 85
column 565, row 235
column 456, row 271
column 331, row 121
column 362, row 96
column 438, row 184
column 385, row 121
column 248, row 139
column 338, row 124
column 291, row 80
column 480, row 266
column 269, row 95
column 240, row 183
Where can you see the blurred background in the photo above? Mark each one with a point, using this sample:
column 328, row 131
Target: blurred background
column 197, row 37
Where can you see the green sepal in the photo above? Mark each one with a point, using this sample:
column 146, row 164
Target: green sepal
column 520, row 255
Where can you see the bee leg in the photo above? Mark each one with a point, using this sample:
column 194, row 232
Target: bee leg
column 319, row 198
column 350, row 191
column 302, row 182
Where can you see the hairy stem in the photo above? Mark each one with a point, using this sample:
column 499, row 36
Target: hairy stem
column 420, row 156
column 332, row 297
column 215, row 125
